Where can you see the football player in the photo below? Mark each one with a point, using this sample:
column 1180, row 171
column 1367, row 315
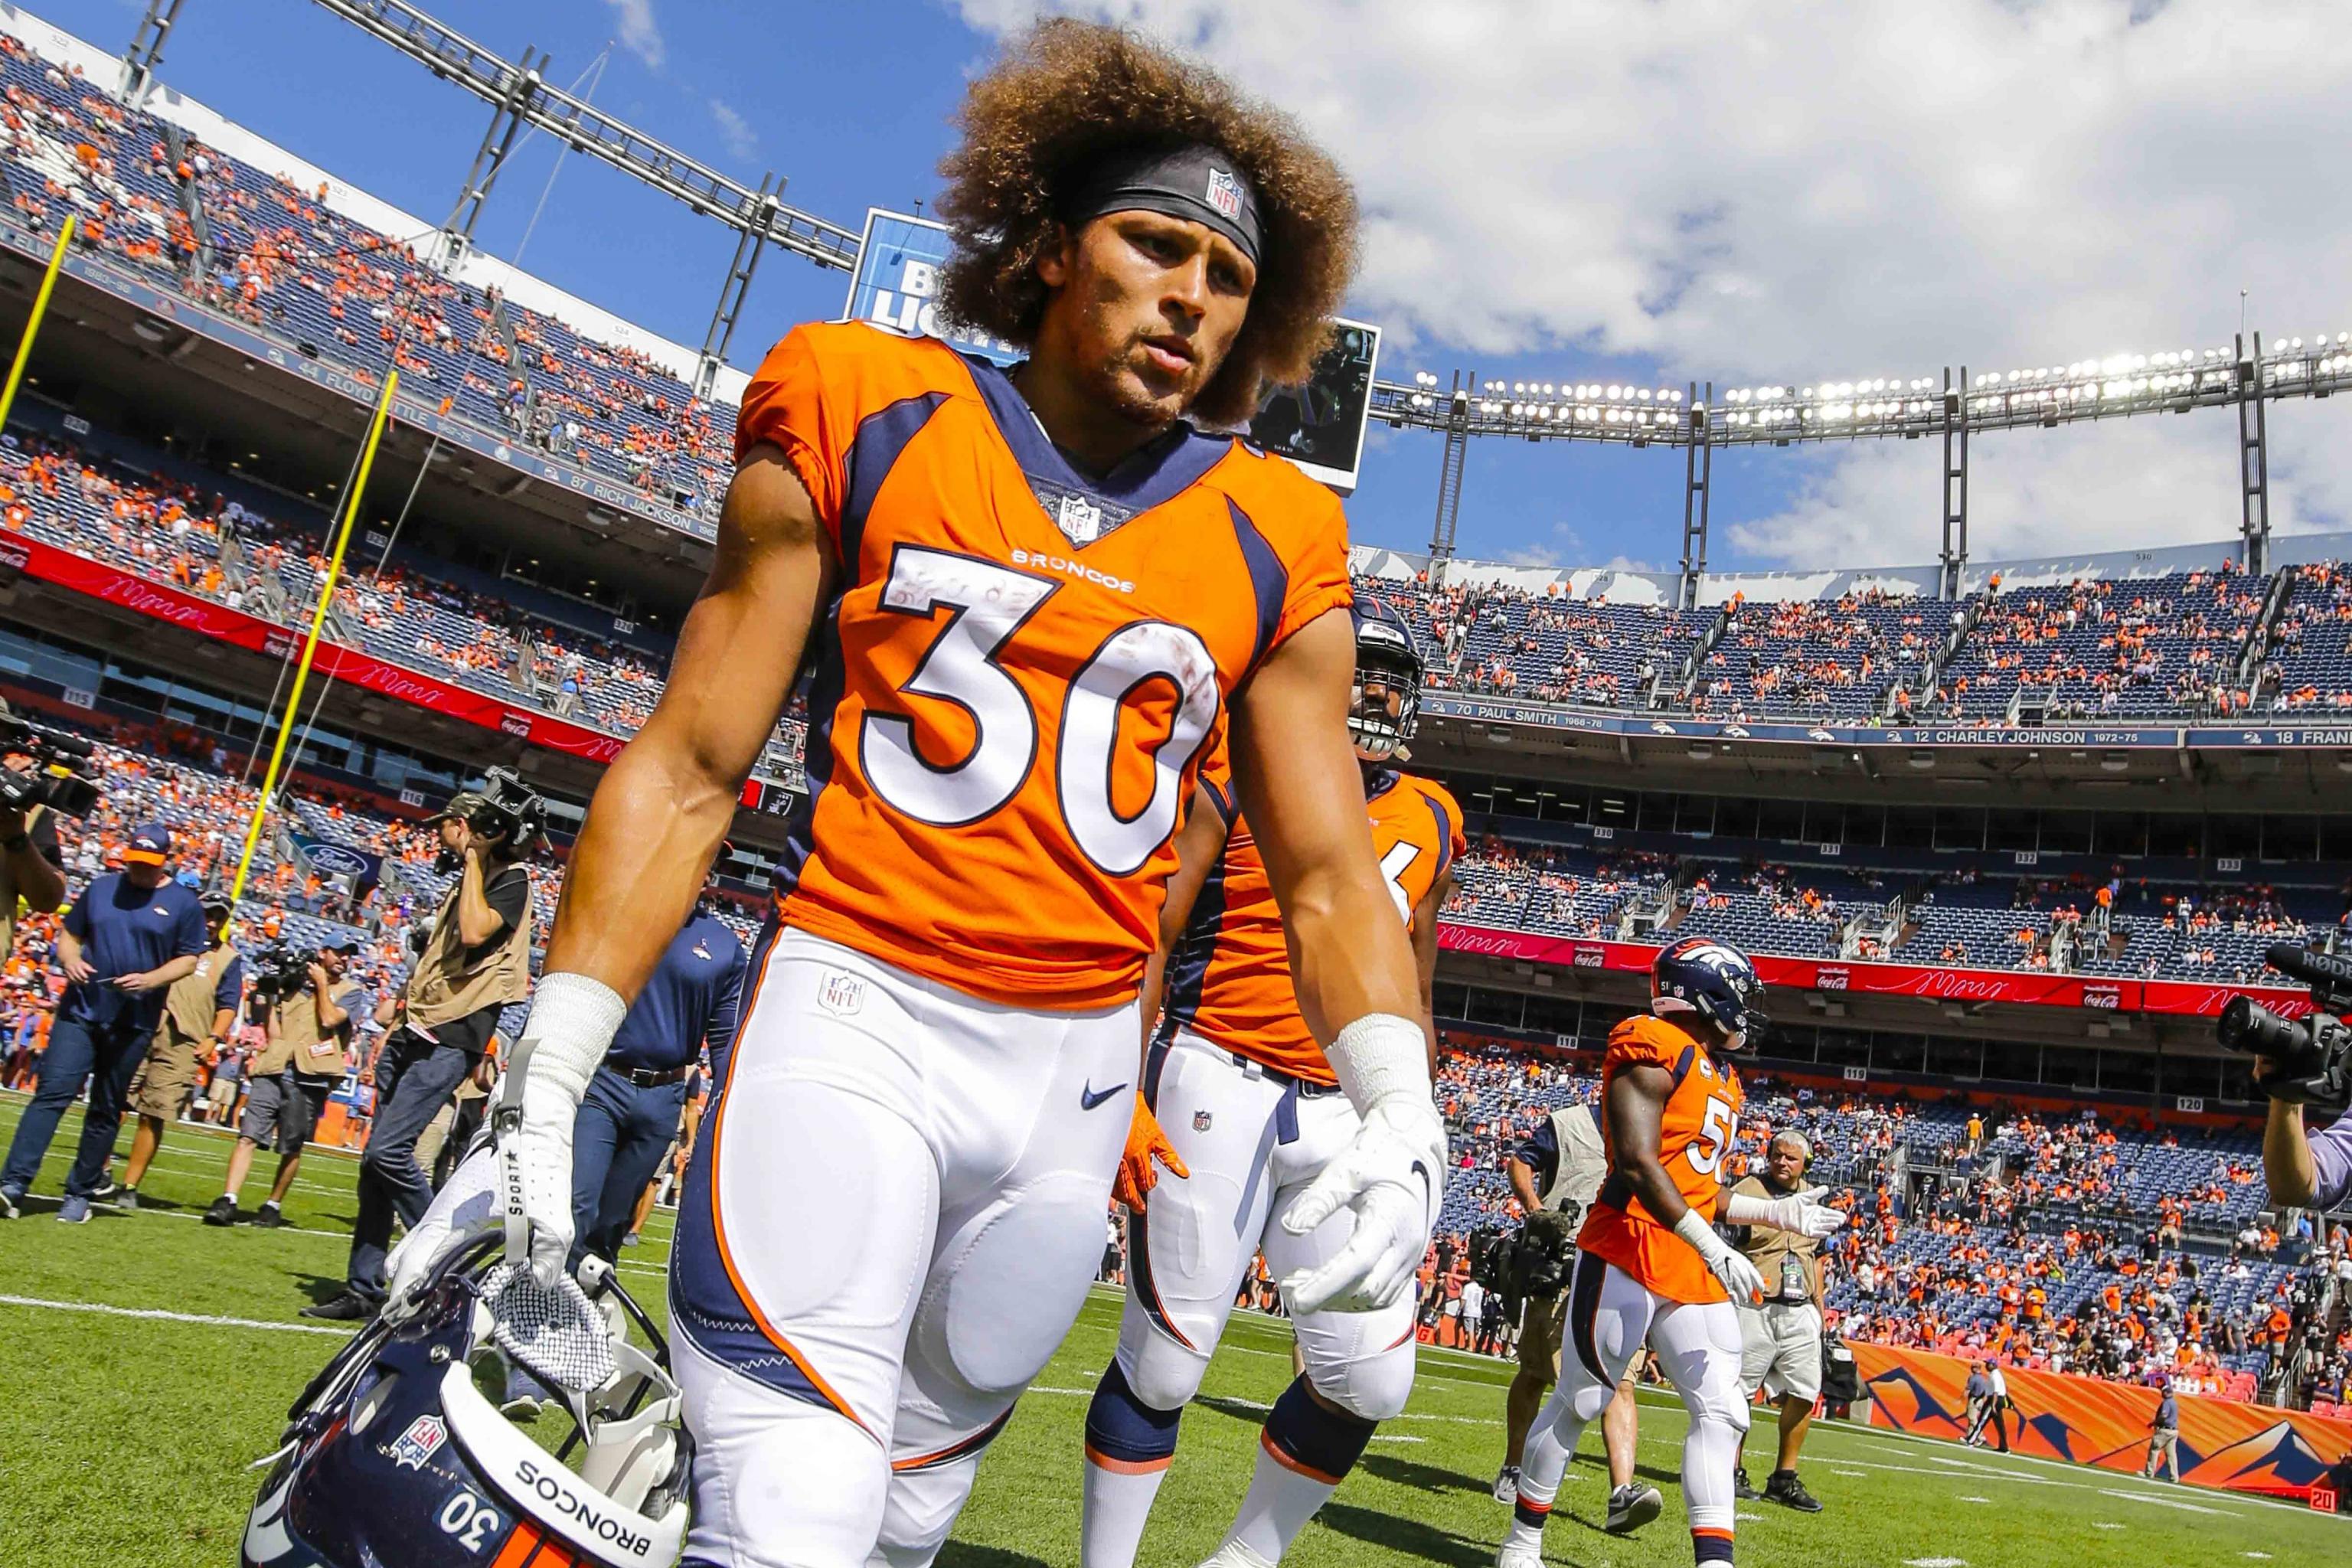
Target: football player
column 1030, row 599
column 1253, row 1118
column 1651, row 1266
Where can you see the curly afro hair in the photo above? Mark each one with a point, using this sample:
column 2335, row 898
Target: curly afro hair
column 1070, row 91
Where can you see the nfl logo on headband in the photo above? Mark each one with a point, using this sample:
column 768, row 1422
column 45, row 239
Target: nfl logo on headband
column 1224, row 193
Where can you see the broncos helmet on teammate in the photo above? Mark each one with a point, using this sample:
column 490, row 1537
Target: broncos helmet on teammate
column 1713, row 980
column 392, row 1455
column 1385, row 709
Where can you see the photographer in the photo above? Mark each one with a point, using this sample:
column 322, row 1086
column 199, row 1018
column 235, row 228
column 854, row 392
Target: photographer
column 31, row 864
column 130, row 935
column 197, row 1012
column 311, row 1010
column 1555, row 1173
column 475, row 962
column 1780, row 1348
column 2306, row 1170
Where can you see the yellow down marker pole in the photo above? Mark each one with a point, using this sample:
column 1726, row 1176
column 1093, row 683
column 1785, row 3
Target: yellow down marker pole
column 310, row 642
column 33, row 322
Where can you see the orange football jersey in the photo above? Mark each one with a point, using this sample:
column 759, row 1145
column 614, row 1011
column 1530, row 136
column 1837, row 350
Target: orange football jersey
column 1702, row 1117
column 1229, row 975
column 1018, row 677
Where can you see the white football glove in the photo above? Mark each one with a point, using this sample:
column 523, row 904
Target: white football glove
column 1800, row 1214
column 465, row 1207
column 1727, row 1263
column 1392, row 1176
column 573, row 1021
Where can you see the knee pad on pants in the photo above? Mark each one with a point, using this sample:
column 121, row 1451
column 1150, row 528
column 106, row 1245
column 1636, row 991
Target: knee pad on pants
column 1160, row 1373
column 1717, row 1401
column 1374, row 1388
column 1590, row 1398
column 1002, row 1300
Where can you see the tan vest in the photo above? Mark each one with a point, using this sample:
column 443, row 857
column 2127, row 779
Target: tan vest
column 188, row 1009
column 10, row 897
column 1772, row 1251
column 1583, row 1159
column 444, row 987
column 300, row 1044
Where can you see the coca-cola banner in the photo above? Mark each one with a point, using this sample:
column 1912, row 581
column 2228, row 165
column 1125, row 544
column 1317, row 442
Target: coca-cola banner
column 205, row 618
column 2098, row 992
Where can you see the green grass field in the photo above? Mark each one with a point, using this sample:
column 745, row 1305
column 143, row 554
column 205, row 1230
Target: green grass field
column 125, row 1438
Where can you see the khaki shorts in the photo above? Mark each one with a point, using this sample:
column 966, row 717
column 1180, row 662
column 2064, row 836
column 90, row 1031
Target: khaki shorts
column 167, row 1075
column 1543, row 1328
column 1781, row 1350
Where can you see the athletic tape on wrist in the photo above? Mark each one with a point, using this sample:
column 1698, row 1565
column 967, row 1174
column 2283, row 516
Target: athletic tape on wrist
column 1746, row 1209
column 573, row 1021
column 1381, row 1057
column 1694, row 1229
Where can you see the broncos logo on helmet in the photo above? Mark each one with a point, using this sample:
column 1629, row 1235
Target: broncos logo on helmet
column 1385, row 710
column 1713, row 980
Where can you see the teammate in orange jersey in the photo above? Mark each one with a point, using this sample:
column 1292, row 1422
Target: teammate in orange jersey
column 1651, row 1266
column 1029, row 599
column 1253, row 1116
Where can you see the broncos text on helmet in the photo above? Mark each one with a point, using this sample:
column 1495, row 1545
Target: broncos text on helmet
column 1385, row 709
column 1716, row 981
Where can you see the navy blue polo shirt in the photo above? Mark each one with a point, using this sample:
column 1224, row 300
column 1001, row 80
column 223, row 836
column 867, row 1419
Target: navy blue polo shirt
column 125, row 929
column 694, row 998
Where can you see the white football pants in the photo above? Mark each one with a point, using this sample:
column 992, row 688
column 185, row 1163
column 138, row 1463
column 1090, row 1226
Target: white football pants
column 888, row 1230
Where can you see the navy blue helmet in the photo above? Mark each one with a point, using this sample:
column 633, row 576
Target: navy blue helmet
column 1713, row 979
column 393, row 1455
column 1385, row 709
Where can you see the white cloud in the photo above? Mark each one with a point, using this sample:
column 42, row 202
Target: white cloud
column 1831, row 189
column 640, row 34
column 742, row 141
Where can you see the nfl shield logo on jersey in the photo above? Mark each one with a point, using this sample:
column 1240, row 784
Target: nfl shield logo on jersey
column 1201, row 1120
column 843, row 995
column 1081, row 520
column 420, row 1442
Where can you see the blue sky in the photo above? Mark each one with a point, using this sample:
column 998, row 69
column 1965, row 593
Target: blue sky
column 1634, row 200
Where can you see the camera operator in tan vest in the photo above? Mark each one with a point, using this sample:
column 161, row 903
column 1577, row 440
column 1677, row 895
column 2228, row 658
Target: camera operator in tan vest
column 309, row 1017
column 197, row 1012
column 474, row 963
column 1559, row 1167
column 1781, row 1335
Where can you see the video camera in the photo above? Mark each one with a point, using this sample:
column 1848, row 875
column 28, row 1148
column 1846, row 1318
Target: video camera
column 280, row 973
column 1530, row 1264
column 2308, row 1059
column 58, row 779
column 505, row 811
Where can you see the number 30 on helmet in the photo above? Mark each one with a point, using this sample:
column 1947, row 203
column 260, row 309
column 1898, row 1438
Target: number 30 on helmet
column 1713, row 980
column 392, row 1456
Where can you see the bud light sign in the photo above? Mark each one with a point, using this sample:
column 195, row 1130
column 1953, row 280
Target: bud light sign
column 896, row 284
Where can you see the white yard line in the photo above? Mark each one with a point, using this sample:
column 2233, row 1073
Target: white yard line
column 157, row 1314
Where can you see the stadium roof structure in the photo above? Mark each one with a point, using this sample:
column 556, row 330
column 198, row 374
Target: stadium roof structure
column 1697, row 418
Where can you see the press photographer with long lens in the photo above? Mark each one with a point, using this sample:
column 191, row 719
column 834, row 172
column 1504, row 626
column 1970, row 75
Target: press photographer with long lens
column 32, row 867
column 2299, row 1064
column 475, row 962
column 310, row 1007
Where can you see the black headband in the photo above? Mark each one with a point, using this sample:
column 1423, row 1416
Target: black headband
column 1192, row 181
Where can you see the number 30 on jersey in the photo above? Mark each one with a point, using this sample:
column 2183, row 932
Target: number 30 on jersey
column 989, row 606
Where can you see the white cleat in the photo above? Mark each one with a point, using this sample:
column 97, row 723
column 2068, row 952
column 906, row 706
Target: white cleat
column 1518, row 1554
column 1234, row 1554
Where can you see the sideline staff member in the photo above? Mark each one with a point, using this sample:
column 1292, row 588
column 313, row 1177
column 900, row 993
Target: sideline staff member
column 306, row 1041
column 633, row 1105
column 130, row 935
column 475, row 964
column 1781, row 1341
column 197, row 1012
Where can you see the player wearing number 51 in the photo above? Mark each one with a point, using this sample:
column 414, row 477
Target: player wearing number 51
column 1030, row 600
column 1650, row 1265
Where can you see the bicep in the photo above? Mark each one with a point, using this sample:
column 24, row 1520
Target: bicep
column 1294, row 770
column 1636, row 1109
column 741, row 645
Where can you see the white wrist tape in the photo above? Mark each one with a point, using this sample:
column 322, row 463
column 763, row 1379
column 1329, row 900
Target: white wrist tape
column 1694, row 1229
column 1381, row 1057
column 573, row 1021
